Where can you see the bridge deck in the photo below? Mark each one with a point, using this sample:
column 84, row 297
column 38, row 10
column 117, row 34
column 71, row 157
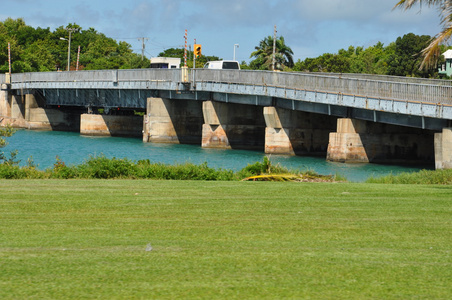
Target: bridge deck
column 373, row 93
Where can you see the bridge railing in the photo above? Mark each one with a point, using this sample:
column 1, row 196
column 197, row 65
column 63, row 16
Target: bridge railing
column 421, row 90
column 390, row 78
column 403, row 91
column 99, row 76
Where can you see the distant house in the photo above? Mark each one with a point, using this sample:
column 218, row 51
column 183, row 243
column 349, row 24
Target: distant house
column 446, row 68
column 165, row 63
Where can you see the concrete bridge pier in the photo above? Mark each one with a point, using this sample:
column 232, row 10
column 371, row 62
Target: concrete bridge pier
column 12, row 108
column 443, row 149
column 358, row 141
column 110, row 125
column 173, row 121
column 5, row 105
column 232, row 126
column 292, row 132
column 28, row 111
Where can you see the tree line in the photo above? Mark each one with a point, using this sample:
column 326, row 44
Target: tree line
column 41, row 50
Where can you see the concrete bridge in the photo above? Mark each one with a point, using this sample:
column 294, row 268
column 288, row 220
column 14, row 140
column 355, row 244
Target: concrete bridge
column 346, row 117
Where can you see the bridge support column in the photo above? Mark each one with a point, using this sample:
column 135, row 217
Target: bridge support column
column 16, row 115
column 5, row 106
column 361, row 141
column 110, row 125
column 232, row 126
column 443, row 149
column 173, row 121
column 296, row 133
column 346, row 144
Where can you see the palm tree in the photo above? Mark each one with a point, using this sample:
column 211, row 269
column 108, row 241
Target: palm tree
column 432, row 51
column 264, row 54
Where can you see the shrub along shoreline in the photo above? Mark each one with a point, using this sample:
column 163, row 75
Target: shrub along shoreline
column 101, row 167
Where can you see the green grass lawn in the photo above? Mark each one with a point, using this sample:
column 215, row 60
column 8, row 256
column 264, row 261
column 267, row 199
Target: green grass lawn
column 80, row 239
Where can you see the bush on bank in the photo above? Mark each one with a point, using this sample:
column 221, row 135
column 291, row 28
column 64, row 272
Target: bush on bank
column 101, row 167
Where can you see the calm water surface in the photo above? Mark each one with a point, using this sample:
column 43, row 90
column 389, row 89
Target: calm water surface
column 72, row 148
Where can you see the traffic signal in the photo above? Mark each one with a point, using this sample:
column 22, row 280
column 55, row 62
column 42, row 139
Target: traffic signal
column 197, row 50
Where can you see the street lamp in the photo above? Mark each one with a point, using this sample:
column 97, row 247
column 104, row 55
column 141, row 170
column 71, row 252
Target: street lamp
column 68, row 52
column 235, row 46
column 70, row 30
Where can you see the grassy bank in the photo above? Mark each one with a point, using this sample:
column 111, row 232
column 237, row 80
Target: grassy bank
column 126, row 239
column 421, row 177
column 101, row 167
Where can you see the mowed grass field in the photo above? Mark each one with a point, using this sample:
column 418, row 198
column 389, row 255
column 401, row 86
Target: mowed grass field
column 145, row 239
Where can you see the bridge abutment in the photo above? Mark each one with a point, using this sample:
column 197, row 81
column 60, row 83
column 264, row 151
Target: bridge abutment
column 357, row 141
column 443, row 149
column 173, row 121
column 232, row 126
column 296, row 133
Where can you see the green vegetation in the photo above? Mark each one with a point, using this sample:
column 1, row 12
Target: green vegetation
column 6, row 131
column 263, row 56
column 421, row 177
column 400, row 58
column 118, row 239
column 101, row 167
column 40, row 50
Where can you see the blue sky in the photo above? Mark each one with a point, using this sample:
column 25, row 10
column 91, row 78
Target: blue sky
column 310, row 27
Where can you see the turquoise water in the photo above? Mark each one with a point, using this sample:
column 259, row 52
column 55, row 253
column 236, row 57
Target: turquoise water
column 72, row 148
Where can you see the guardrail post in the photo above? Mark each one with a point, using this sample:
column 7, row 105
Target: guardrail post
column 115, row 76
column 184, row 74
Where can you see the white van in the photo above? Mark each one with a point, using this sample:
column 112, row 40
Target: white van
column 222, row 65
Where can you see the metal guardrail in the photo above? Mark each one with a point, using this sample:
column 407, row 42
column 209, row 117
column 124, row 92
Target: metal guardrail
column 390, row 78
column 401, row 91
column 376, row 86
column 99, row 76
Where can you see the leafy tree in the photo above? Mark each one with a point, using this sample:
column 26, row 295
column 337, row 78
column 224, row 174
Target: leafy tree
column 38, row 49
column 264, row 54
column 407, row 58
column 326, row 63
column 6, row 131
column 372, row 60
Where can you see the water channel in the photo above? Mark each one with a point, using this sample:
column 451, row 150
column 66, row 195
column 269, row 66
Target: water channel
column 72, row 148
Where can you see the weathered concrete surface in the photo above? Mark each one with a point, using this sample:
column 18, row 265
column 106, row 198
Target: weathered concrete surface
column 24, row 111
column 359, row 141
column 173, row 121
column 443, row 149
column 232, row 126
column 346, row 144
column 296, row 133
column 110, row 125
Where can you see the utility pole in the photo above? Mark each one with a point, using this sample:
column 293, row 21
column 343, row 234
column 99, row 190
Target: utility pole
column 274, row 48
column 194, row 56
column 143, row 46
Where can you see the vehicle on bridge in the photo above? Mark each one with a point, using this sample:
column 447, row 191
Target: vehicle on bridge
column 222, row 65
column 165, row 63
